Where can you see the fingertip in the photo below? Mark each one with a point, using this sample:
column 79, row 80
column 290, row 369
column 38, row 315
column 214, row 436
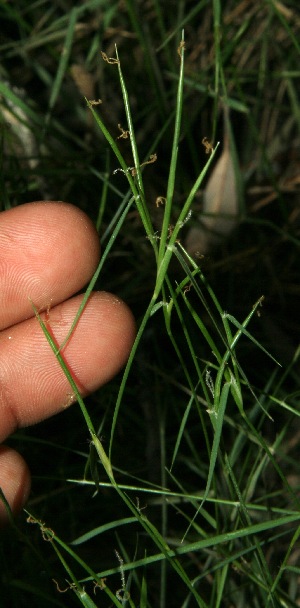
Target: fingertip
column 15, row 482
column 48, row 251
column 119, row 323
column 102, row 340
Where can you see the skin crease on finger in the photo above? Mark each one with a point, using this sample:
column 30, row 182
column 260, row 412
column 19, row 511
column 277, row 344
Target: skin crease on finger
column 32, row 384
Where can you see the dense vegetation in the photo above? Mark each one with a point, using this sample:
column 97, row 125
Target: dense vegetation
column 196, row 498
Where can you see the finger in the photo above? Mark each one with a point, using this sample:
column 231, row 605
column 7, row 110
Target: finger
column 33, row 385
column 15, row 481
column 48, row 252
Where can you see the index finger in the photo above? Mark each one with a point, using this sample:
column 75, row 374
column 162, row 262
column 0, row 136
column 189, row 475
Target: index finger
column 48, row 251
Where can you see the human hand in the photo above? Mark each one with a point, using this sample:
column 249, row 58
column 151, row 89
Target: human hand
column 48, row 252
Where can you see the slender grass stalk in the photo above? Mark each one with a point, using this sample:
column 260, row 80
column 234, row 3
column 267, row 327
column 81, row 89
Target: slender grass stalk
column 97, row 272
column 173, row 163
column 49, row 535
column 140, row 197
column 63, row 63
column 146, row 524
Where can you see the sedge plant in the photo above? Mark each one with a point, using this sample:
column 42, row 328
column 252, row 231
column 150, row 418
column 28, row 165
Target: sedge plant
column 221, row 382
column 222, row 503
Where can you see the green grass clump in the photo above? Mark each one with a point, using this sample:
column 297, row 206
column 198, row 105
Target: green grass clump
column 178, row 485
